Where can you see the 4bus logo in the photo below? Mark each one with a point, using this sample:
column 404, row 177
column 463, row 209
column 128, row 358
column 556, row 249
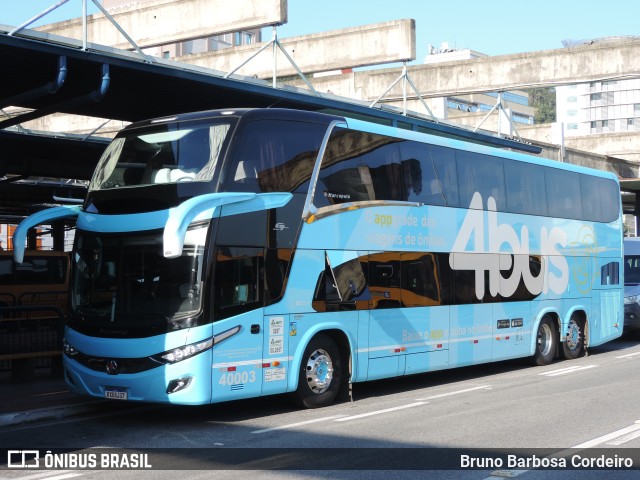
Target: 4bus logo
column 485, row 257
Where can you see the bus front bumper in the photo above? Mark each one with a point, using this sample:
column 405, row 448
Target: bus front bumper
column 186, row 383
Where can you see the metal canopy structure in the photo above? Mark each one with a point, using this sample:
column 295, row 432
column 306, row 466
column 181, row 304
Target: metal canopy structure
column 42, row 158
column 46, row 74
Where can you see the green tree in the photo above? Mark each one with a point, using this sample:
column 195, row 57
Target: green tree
column 544, row 101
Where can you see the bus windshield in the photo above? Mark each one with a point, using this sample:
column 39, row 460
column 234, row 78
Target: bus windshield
column 127, row 282
column 170, row 152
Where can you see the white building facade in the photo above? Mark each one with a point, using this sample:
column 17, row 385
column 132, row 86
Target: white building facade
column 599, row 107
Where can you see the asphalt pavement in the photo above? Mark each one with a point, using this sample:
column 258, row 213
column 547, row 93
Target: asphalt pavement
column 44, row 396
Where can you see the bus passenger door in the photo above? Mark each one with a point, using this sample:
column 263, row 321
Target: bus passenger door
column 238, row 327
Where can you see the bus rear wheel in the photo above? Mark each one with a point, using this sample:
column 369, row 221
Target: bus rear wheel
column 573, row 345
column 320, row 374
column 546, row 342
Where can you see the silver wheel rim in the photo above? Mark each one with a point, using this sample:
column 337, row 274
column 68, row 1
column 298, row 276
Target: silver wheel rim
column 319, row 371
column 573, row 336
column 545, row 339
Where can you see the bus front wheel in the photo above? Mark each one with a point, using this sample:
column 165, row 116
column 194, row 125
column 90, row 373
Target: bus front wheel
column 320, row 373
column 573, row 344
column 546, row 342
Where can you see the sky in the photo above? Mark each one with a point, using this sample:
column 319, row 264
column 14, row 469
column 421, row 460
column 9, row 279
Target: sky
column 493, row 27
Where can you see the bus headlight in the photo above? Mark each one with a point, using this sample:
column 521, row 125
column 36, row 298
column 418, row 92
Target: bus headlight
column 69, row 350
column 631, row 299
column 182, row 353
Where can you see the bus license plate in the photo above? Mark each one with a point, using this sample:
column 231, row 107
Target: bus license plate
column 115, row 394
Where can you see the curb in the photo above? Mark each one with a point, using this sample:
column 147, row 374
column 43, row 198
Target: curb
column 53, row 413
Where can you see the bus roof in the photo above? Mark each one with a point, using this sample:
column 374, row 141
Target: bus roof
column 473, row 147
column 324, row 118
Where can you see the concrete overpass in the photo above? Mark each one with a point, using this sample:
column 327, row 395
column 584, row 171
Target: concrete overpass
column 377, row 44
column 165, row 21
column 601, row 60
column 162, row 21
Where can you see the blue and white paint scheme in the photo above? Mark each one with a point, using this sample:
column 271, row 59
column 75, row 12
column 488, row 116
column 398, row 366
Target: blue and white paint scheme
column 231, row 254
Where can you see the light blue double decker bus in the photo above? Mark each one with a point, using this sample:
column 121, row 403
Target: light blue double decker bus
column 231, row 254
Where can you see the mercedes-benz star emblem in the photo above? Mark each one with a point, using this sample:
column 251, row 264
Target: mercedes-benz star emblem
column 112, row 367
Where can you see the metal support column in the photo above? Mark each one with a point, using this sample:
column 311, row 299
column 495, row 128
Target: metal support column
column 275, row 44
column 501, row 110
column 404, row 77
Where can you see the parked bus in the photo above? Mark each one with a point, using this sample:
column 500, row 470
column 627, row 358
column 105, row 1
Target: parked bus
column 632, row 285
column 231, row 254
column 41, row 279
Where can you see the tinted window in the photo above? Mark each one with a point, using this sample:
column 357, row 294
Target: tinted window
column 164, row 153
column 237, row 284
column 525, row 188
column 420, row 280
column 610, row 273
column 385, row 280
column 600, row 199
column 421, row 181
column 342, row 286
column 631, row 269
column 360, row 166
column 276, row 265
column 274, row 156
column 482, row 174
column 127, row 280
column 444, row 164
column 563, row 194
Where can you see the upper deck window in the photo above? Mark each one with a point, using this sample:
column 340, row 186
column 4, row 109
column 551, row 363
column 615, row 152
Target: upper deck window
column 163, row 153
column 360, row 166
column 274, row 156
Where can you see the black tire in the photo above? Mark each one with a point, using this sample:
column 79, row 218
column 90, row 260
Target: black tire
column 546, row 342
column 320, row 374
column 573, row 345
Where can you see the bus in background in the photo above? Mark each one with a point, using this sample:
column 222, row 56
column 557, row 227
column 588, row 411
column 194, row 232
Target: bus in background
column 632, row 285
column 41, row 279
column 230, row 254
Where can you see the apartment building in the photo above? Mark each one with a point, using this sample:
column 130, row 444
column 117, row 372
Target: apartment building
column 599, row 107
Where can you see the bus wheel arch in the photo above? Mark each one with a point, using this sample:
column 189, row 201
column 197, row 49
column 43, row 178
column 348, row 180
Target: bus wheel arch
column 324, row 370
column 546, row 340
column 575, row 340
